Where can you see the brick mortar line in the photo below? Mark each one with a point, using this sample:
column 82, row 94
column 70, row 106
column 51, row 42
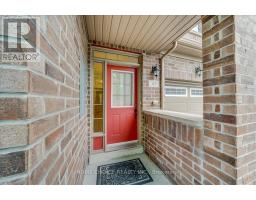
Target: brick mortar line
column 45, row 35
column 201, row 175
column 54, row 80
column 181, row 58
column 220, row 49
column 211, row 129
column 29, row 121
column 233, row 125
column 220, row 171
column 247, row 174
column 13, row 95
column 73, row 157
column 215, row 25
column 14, row 177
column 214, row 65
column 30, row 68
column 222, row 38
column 28, row 146
column 51, row 96
column 14, row 67
column 42, row 138
column 221, row 166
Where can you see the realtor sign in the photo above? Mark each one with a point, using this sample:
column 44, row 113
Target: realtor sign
column 20, row 39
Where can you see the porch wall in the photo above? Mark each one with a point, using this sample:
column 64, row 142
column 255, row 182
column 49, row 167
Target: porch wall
column 43, row 139
column 177, row 148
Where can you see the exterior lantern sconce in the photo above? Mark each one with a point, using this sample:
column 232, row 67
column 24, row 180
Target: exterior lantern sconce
column 155, row 70
column 198, row 70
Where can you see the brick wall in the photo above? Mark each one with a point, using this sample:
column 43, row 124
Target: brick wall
column 43, row 139
column 177, row 148
column 226, row 152
column 245, row 51
column 229, row 95
column 150, row 83
column 220, row 93
column 182, row 69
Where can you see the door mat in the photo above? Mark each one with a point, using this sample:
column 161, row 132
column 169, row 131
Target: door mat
column 129, row 172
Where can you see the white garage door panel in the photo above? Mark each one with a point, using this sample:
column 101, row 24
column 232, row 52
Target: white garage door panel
column 177, row 107
column 186, row 104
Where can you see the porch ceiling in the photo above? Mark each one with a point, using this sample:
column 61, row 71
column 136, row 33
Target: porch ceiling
column 151, row 33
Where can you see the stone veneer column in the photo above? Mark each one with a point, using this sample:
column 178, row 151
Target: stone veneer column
column 229, row 49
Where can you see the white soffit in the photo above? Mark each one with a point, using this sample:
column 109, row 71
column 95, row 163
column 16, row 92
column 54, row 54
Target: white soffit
column 152, row 33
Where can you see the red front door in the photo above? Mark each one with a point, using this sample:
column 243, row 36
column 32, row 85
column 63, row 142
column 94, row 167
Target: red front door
column 121, row 104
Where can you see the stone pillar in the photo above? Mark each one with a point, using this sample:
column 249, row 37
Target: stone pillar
column 229, row 49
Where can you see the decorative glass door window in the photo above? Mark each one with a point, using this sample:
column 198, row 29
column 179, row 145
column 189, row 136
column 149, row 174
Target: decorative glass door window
column 122, row 93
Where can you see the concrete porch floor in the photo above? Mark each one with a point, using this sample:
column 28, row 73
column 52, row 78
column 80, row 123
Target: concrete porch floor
column 159, row 178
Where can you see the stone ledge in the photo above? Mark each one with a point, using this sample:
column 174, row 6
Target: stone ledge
column 191, row 119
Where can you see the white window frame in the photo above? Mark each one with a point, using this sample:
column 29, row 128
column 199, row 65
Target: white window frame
column 176, row 95
column 191, row 95
column 133, row 86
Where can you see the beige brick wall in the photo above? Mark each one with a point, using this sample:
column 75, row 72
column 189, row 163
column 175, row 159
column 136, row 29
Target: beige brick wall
column 43, row 139
column 245, row 98
column 181, row 69
column 150, row 83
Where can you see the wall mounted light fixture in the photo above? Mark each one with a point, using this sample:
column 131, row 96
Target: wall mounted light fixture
column 198, row 70
column 155, row 70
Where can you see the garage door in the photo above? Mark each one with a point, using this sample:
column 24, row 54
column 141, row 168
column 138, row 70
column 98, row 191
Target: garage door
column 184, row 98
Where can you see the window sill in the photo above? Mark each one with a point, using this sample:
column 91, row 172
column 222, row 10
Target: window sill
column 191, row 119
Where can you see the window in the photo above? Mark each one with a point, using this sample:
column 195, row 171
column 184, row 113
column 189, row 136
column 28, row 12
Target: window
column 82, row 85
column 175, row 91
column 122, row 89
column 196, row 92
column 98, row 98
column 197, row 28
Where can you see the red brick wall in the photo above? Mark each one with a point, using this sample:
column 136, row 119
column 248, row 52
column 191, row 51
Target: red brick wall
column 177, row 148
column 43, row 139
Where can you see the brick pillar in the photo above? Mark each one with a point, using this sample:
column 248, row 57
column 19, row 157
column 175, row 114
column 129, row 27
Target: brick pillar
column 246, row 98
column 229, row 47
